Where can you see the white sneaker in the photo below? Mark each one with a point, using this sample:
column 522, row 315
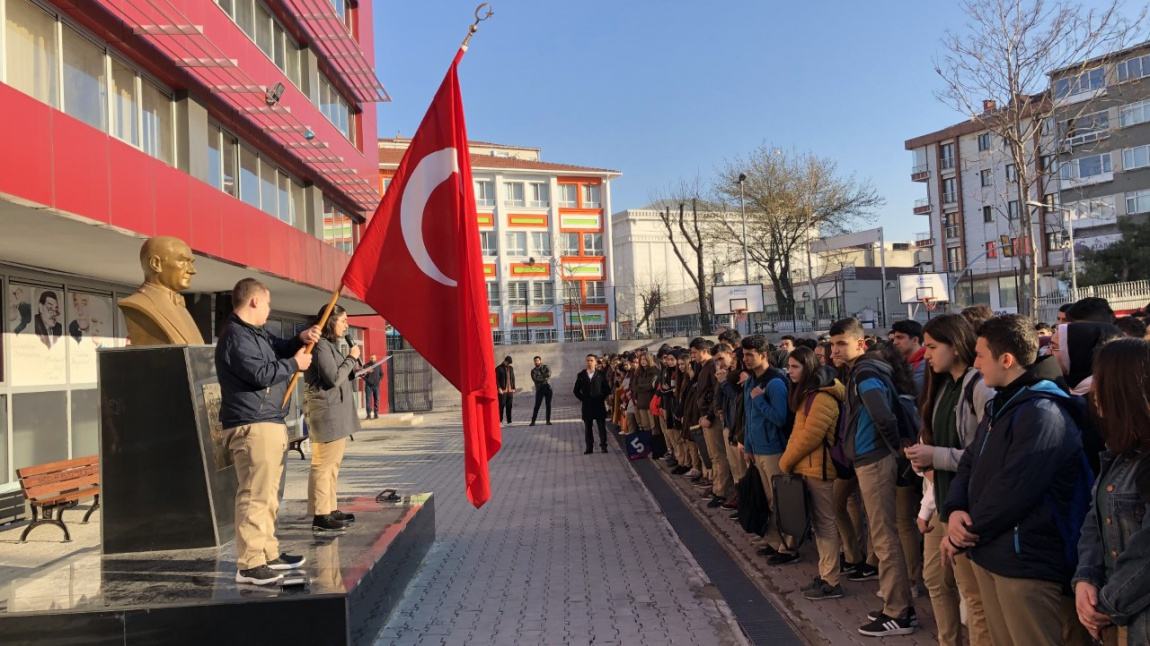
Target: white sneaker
column 693, row 473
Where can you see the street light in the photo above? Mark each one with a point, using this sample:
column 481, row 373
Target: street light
column 526, row 299
column 1070, row 233
column 743, row 209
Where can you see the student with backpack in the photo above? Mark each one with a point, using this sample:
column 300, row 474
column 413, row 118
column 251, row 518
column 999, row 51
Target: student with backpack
column 765, row 435
column 1014, row 504
column 873, row 443
column 953, row 404
column 1111, row 584
column 816, row 398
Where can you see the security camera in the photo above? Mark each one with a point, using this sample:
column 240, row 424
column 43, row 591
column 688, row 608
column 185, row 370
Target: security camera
column 309, row 134
column 273, row 94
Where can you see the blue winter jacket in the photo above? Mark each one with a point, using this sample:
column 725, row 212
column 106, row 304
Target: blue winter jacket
column 766, row 414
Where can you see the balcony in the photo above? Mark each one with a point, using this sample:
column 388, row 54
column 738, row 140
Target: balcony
column 920, row 173
column 922, row 206
column 924, row 240
column 949, row 198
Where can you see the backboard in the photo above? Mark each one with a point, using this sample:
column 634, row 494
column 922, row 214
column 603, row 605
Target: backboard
column 728, row 299
column 916, row 288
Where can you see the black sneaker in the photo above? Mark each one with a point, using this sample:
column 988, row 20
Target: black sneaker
column 766, row 550
column 863, row 572
column 821, row 591
column 884, row 626
column 287, row 562
column 715, row 502
column 734, row 515
column 326, row 523
column 910, row 614
column 783, row 558
column 846, row 567
column 603, row 448
column 339, row 515
column 680, row 470
column 262, row 575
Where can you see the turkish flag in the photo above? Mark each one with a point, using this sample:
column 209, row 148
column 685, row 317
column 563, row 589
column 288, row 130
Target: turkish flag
column 419, row 266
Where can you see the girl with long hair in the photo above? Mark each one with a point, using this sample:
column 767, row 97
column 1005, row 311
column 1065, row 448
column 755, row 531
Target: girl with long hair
column 1111, row 585
column 952, row 406
column 816, row 398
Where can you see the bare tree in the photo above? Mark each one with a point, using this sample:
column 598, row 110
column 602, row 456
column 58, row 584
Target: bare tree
column 997, row 70
column 687, row 234
column 651, row 299
column 789, row 196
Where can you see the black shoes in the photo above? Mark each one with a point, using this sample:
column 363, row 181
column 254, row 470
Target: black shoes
column 326, row 523
column 820, row 590
column 734, row 515
column 339, row 515
column 715, row 502
column 766, row 550
column 588, row 451
column 262, row 575
column 863, row 572
column 287, row 562
column 884, row 626
column 909, row 614
column 680, row 470
column 603, row 448
column 783, row 558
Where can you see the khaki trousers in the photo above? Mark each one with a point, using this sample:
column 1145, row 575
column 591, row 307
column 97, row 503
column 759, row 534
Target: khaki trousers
column 877, row 486
column 323, row 476
column 906, row 506
column 822, row 496
column 976, row 627
column 768, row 466
column 1020, row 612
column 692, row 451
column 940, row 583
column 736, row 459
column 721, row 484
column 645, row 419
column 849, row 520
column 257, row 451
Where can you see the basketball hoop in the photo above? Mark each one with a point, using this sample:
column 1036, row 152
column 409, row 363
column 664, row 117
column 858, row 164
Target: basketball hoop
column 930, row 304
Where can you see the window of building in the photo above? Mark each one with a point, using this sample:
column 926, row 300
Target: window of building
column 1012, row 210
column 488, row 243
column 949, row 196
column 333, row 106
column 592, row 244
column 543, row 293
column 338, row 228
column 156, row 110
column 569, row 244
column 568, row 195
column 269, row 198
column 1054, row 240
column 229, row 153
column 545, row 335
column 1138, row 202
column 1048, row 164
column 517, row 292
column 1136, row 157
column 571, row 292
column 541, row 243
column 1099, row 208
column 1083, row 167
column 84, row 81
column 513, row 194
column 991, row 250
column 493, row 294
column 591, row 196
column 1087, row 128
column 1133, row 68
column 516, row 243
column 519, row 336
column 952, row 223
column 985, row 178
column 954, row 259
column 1011, row 173
column 1007, row 291
column 125, row 106
column 946, row 156
column 497, row 337
column 1087, row 81
column 484, row 193
column 540, row 195
column 30, row 51
column 988, row 214
column 984, row 142
column 250, row 177
column 1050, row 201
column 596, row 292
column 261, row 26
column 1133, row 114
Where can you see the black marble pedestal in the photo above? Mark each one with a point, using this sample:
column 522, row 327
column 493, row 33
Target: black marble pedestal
column 166, row 479
column 190, row 596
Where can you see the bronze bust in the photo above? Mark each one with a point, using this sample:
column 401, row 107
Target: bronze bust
column 156, row 314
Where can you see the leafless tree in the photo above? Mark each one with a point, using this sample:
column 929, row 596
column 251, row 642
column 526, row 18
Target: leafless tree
column 997, row 70
column 651, row 299
column 687, row 233
column 789, row 196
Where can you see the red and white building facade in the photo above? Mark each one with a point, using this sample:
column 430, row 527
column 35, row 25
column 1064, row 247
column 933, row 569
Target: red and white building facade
column 236, row 125
column 546, row 236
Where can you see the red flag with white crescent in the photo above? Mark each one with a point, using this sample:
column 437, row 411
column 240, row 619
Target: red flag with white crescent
column 419, row 266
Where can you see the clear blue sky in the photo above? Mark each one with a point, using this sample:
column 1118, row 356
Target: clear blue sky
column 663, row 90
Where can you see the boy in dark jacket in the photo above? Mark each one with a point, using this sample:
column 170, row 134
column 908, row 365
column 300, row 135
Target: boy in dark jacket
column 1013, row 485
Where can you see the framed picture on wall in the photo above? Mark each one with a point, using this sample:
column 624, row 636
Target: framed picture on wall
column 35, row 330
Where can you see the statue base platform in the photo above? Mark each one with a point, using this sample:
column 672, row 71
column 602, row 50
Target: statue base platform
column 354, row 581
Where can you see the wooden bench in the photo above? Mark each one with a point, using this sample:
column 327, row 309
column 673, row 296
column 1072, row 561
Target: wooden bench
column 56, row 486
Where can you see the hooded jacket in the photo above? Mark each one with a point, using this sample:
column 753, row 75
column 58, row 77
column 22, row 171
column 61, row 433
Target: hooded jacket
column 1019, row 472
column 871, row 426
column 766, row 415
column 815, row 423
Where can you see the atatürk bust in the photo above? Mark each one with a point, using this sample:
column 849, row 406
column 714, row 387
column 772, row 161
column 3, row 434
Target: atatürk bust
column 156, row 314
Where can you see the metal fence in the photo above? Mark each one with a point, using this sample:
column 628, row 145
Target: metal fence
column 409, row 382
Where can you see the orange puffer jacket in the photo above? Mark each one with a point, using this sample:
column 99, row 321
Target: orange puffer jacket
column 815, row 423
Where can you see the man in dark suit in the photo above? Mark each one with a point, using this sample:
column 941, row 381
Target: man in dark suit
column 592, row 390
column 505, row 381
column 371, row 382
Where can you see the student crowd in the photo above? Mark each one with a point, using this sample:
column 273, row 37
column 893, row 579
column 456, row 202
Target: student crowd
column 1000, row 464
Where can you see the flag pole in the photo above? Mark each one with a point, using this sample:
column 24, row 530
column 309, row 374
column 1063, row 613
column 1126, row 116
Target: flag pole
column 308, row 348
column 475, row 25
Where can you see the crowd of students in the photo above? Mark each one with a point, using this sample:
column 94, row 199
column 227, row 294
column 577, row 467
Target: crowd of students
column 996, row 465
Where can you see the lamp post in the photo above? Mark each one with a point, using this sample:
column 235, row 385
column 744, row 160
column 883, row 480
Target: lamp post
column 527, row 299
column 1070, row 233
column 743, row 210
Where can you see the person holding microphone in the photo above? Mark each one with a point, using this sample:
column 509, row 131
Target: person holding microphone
column 331, row 415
